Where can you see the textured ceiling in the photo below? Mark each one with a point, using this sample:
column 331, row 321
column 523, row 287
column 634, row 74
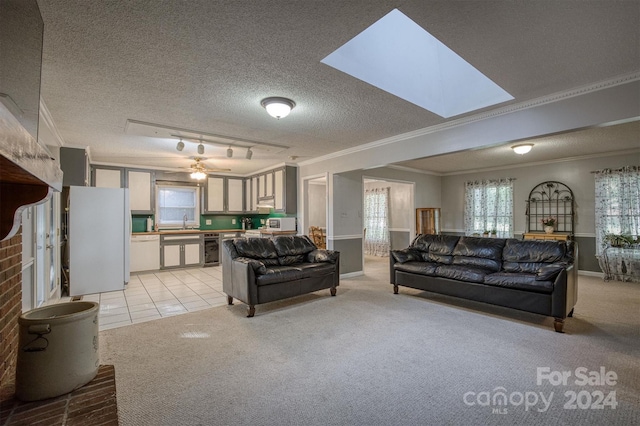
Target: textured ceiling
column 205, row 65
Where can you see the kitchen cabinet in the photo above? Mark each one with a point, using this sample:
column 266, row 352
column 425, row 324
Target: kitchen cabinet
column 254, row 193
column 224, row 195
column 141, row 193
column 74, row 164
column 235, row 195
column 278, row 194
column 180, row 250
column 286, row 190
column 214, row 195
column 247, row 195
column 108, row 177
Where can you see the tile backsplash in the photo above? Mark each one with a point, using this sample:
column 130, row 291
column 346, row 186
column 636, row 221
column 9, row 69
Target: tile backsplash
column 139, row 222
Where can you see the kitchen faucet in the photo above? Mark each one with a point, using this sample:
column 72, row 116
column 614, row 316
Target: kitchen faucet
column 184, row 221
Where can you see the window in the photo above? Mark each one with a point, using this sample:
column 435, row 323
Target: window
column 177, row 206
column 488, row 207
column 617, row 204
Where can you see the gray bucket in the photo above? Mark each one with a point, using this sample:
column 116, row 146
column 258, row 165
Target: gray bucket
column 58, row 350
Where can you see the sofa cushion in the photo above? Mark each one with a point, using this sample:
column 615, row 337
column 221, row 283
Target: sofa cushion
column 536, row 251
column 322, row 256
column 421, row 268
column 406, row 255
column 472, row 274
column 257, row 248
column 519, row 281
column 489, row 264
column 279, row 274
column 315, row 269
column 526, row 267
column 422, row 242
column 293, row 245
column 443, row 244
column 486, row 251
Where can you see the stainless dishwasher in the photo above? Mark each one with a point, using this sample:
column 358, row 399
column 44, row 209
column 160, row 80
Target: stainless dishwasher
column 211, row 249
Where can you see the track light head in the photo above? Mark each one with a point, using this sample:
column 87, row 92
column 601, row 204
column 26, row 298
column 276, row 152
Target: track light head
column 180, row 145
column 229, row 152
column 200, row 149
column 249, row 154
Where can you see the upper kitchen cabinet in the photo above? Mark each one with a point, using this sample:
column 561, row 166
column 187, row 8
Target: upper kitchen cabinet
column 235, row 195
column 74, row 163
column 107, row 177
column 141, row 193
column 214, row 198
column 285, row 193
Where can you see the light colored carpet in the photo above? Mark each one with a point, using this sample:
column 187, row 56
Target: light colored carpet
column 369, row 357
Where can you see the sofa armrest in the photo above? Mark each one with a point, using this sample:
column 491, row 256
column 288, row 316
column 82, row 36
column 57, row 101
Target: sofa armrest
column 240, row 282
column 550, row 272
column 259, row 267
column 323, row 256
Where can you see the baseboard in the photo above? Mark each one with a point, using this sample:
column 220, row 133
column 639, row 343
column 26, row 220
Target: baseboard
column 351, row 274
column 591, row 273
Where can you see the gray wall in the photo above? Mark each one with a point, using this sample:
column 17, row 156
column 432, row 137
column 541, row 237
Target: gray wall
column 575, row 174
column 317, row 204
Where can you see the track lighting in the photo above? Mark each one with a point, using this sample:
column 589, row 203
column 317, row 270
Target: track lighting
column 249, row 154
column 180, row 145
column 229, row 152
column 201, row 149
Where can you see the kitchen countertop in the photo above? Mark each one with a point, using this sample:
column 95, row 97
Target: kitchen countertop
column 214, row 231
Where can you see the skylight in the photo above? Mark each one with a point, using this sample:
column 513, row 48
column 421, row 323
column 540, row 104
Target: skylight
column 396, row 55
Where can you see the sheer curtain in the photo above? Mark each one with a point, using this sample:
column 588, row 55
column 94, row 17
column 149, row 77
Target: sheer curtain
column 617, row 203
column 376, row 221
column 488, row 206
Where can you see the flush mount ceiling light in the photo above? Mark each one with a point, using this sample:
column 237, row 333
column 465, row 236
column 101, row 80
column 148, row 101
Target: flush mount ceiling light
column 229, row 152
column 201, row 149
column 249, row 154
column 278, row 107
column 522, row 148
column 180, row 145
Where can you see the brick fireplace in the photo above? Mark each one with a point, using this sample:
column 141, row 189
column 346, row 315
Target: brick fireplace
column 10, row 310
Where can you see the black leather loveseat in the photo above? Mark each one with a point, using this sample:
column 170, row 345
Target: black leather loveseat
column 530, row 275
column 261, row 270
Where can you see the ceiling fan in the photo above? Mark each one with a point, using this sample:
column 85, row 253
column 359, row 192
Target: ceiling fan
column 199, row 171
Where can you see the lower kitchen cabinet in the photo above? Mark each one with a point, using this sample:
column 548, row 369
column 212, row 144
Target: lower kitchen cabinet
column 178, row 251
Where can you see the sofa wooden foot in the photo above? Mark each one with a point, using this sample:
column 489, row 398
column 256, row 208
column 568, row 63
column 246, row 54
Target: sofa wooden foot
column 558, row 324
column 333, row 291
column 395, row 289
column 251, row 311
column 570, row 313
column 230, row 300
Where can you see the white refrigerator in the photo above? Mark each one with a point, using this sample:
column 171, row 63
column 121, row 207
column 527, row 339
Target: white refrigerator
column 99, row 236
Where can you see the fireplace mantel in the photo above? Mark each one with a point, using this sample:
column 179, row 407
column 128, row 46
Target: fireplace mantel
column 28, row 173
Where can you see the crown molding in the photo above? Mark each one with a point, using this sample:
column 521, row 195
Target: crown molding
column 542, row 163
column 47, row 119
column 555, row 97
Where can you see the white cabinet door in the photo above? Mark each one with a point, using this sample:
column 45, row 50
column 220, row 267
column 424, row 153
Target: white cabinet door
column 215, row 194
column 171, row 255
column 108, row 178
column 269, row 184
column 235, row 195
column 279, row 190
column 191, row 254
column 139, row 191
column 254, row 193
column 247, row 195
column 261, row 187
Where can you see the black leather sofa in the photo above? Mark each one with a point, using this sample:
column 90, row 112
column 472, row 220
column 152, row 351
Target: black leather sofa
column 529, row 275
column 261, row 270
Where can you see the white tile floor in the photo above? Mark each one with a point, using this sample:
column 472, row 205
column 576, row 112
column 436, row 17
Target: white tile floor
column 159, row 294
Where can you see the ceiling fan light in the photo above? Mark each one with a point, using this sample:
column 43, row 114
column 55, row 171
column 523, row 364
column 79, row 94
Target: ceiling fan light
column 180, row 145
column 229, row 152
column 278, row 107
column 200, row 149
column 198, row 175
column 522, row 149
column 249, row 154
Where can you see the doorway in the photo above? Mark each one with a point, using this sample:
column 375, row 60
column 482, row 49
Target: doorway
column 315, row 208
column 397, row 229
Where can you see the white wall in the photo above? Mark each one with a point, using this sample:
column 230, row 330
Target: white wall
column 401, row 213
column 317, row 194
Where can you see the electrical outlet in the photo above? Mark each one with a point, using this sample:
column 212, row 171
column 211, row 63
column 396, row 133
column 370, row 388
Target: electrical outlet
column 261, row 221
column 233, row 221
column 208, row 221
